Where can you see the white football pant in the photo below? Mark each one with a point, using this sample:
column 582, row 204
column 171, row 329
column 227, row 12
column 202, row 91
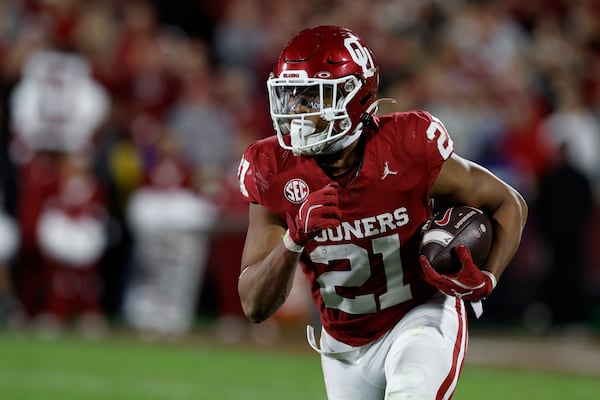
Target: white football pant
column 420, row 358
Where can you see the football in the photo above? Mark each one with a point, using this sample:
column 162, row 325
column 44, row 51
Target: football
column 451, row 227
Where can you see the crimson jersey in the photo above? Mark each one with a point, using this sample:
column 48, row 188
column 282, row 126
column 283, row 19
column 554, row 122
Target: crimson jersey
column 364, row 274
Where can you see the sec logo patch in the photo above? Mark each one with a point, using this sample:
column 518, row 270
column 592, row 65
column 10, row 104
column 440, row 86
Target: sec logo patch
column 296, row 190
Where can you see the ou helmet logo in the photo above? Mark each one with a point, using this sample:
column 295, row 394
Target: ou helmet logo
column 296, row 191
column 361, row 55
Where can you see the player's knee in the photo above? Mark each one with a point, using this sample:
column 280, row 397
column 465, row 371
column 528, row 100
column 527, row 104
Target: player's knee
column 409, row 383
column 407, row 395
column 344, row 393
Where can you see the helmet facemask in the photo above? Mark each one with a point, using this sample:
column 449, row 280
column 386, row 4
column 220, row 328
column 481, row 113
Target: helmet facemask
column 312, row 111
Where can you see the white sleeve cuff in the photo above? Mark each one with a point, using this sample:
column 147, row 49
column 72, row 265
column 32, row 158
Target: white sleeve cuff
column 492, row 278
column 290, row 244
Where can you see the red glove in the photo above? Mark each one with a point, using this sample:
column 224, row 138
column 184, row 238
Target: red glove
column 470, row 283
column 319, row 211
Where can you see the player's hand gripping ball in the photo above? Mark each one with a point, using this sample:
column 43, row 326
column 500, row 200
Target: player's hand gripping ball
column 456, row 225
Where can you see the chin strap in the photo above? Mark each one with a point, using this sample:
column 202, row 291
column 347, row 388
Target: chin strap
column 374, row 107
column 346, row 140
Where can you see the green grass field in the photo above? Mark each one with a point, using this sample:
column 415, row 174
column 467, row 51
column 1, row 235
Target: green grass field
column 128, row 369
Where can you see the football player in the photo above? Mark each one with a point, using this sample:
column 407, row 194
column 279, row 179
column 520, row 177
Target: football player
column 343, row 193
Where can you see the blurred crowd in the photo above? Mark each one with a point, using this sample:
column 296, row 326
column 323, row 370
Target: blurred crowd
column 122, row 123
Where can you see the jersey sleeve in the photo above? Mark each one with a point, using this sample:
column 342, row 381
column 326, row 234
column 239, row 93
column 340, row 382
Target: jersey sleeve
column 247, row 176
column 438, row 143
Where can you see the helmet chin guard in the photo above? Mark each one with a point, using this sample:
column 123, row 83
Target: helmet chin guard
column 302, row 134
column 311, row 111
column 324, row 85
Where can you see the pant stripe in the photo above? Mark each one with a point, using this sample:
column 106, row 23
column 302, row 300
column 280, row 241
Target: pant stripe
column 458, row 357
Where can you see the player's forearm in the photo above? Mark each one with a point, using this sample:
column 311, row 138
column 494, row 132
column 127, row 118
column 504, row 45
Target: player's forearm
column 264, row 286
column 509, row 220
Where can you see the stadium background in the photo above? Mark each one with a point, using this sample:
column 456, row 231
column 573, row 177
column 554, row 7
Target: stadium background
column 182, row 84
